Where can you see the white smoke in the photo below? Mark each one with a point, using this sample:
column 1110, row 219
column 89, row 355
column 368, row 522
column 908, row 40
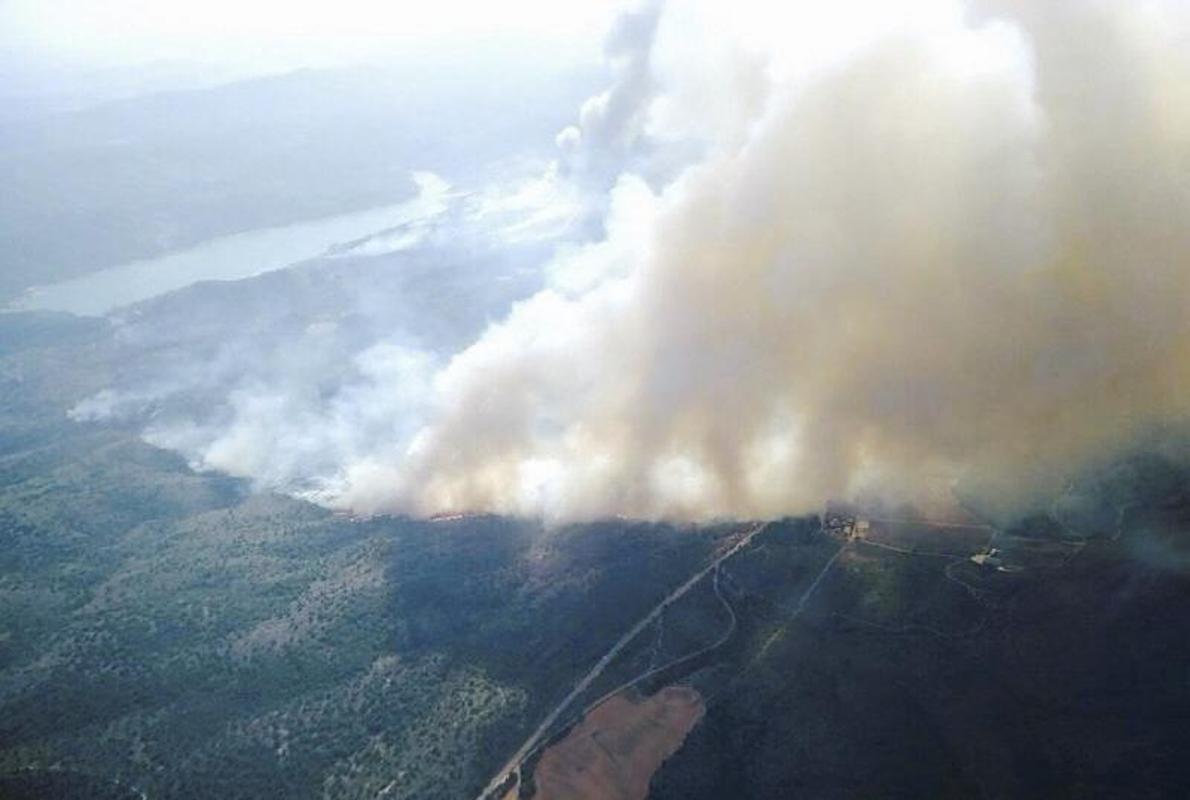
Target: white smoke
column 611, row 124
column 887, row 243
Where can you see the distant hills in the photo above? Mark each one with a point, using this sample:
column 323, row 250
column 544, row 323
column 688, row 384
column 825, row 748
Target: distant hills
column 143, row 176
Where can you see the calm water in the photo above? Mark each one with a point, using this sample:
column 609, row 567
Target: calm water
column 233, row 257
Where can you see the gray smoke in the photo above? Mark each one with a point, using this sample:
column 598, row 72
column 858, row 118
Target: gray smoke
column 958, row 249
column 909, row 245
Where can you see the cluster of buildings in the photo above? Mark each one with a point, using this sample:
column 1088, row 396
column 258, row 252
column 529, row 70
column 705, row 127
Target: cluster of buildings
column 844, row 522
column 991, row 558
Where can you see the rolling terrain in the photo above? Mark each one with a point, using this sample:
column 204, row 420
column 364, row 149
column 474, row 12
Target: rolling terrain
column 172, row 633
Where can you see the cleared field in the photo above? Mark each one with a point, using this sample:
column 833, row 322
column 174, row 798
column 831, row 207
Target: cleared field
column 613, row 753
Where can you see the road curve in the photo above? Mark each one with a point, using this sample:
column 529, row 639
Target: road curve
column 535, row 738
column 644, row 676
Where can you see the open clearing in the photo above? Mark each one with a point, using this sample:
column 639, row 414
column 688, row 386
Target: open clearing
column 613, row 753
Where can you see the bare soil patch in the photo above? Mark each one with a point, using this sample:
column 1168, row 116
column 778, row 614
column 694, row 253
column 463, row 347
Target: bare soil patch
column 613, row 753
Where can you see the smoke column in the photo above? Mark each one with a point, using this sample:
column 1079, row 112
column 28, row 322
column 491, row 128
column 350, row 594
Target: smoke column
column 870, row 245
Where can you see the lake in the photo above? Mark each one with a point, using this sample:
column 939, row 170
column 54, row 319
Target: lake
column 229, row 258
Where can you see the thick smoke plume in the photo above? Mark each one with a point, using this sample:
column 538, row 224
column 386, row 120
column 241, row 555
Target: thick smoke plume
column 959, row 245
column 906, row 243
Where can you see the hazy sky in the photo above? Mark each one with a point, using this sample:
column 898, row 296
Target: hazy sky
column 248, row 33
